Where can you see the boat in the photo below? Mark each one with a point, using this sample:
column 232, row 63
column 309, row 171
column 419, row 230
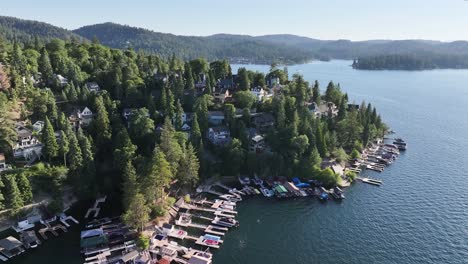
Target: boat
column 257, row 181
column 338, row 193
column 400, row 143
column 29, row 239
column 244, row 180
column 267, row 192
column 225, row 221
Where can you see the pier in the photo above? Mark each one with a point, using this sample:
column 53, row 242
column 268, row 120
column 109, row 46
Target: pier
column 96, row 209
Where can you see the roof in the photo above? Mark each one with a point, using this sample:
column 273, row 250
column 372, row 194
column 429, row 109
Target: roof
column 257, row 138
column 280, row 188
column 164, row 261
column 10, row 243
column 130, row 256
column 291, row 187
column 23, row 132
column 219, row 129
column 92, row 232
column 198, row 260
column 93, row 241
column 168, row 226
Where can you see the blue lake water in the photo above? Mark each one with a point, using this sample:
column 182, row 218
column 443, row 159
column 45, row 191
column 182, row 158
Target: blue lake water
column 419, row 214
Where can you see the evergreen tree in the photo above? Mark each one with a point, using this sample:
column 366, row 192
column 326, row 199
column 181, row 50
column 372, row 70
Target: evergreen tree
column 316, row 93
column 74, row 157
column 244, row 82
column 169, row 145
column 64, row 147
column 25, row 188
column 13, row 194
column 102, row 122
column 137, row 214
column 178, row 117
column 187, row 173
column 85, row 146
column 342, row 109
column 196, row 135
column 45, row 67
column 159, row 177
column 50, row 147
column 188, row 76
column 130, row 185
column 320, row 141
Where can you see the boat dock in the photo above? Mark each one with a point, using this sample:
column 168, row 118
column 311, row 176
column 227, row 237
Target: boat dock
column 96, row 209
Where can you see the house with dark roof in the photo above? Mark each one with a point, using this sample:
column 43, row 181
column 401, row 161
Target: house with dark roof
column 219, row 136
column 93, row 87
column 263, row 121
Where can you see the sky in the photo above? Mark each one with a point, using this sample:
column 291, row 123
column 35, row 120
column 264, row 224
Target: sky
column 445, row 20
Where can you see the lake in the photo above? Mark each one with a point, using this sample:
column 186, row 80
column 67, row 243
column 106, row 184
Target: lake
column 419, row 214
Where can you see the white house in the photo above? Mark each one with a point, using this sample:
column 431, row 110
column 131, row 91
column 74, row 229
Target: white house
column 220, row 94
column 327, row 109
column 38, row 126
column 27, row 146
column 93, row 87
column 260, row 93
column 80, row 118
column 61, row 80
column 257, row 144
column 219, row 135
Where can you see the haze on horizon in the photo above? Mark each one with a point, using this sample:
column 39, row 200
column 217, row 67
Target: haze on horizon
column 444, row 20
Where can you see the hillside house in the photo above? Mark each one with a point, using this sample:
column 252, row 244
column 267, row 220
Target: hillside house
column 80, row 118
column 263, row 121
column 219, row 136
column 260, row 93
column 27, row 146
column 62, row 81
column 220, row 94
column 257, row 144
column 327, row 109
column 93, row 87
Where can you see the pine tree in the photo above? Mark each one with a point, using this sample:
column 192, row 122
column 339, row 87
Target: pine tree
column 316, row 93
column 188, row 76
column 137, row 214
column 244, row 82
column 85, row 146
column 102, row 122
column 196, row 135
column 45, row 67
column 281, row 115
column 64, row 147
column 50, row 146
column 75, row 158
column 159, row 177
column 189, row 166
column 169, row 145
column 13, row 194
column 25, row 188
column 169, row 108
column 178, row 117
column 130, row 185
column 320, row 141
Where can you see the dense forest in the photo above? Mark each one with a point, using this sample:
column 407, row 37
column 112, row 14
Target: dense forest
column 143, row 154
column 285, row 49
column 411, row 62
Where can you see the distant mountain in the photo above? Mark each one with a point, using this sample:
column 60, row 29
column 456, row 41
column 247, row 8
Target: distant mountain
column 235, row 47
column 282, row 48
column 25, row 30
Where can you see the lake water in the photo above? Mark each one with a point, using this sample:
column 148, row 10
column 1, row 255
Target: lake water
column 419, row 214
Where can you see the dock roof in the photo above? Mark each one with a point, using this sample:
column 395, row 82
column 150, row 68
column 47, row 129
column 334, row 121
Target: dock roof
column 10, row 243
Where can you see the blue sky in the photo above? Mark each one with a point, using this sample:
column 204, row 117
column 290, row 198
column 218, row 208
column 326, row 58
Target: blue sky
column 445, row 20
